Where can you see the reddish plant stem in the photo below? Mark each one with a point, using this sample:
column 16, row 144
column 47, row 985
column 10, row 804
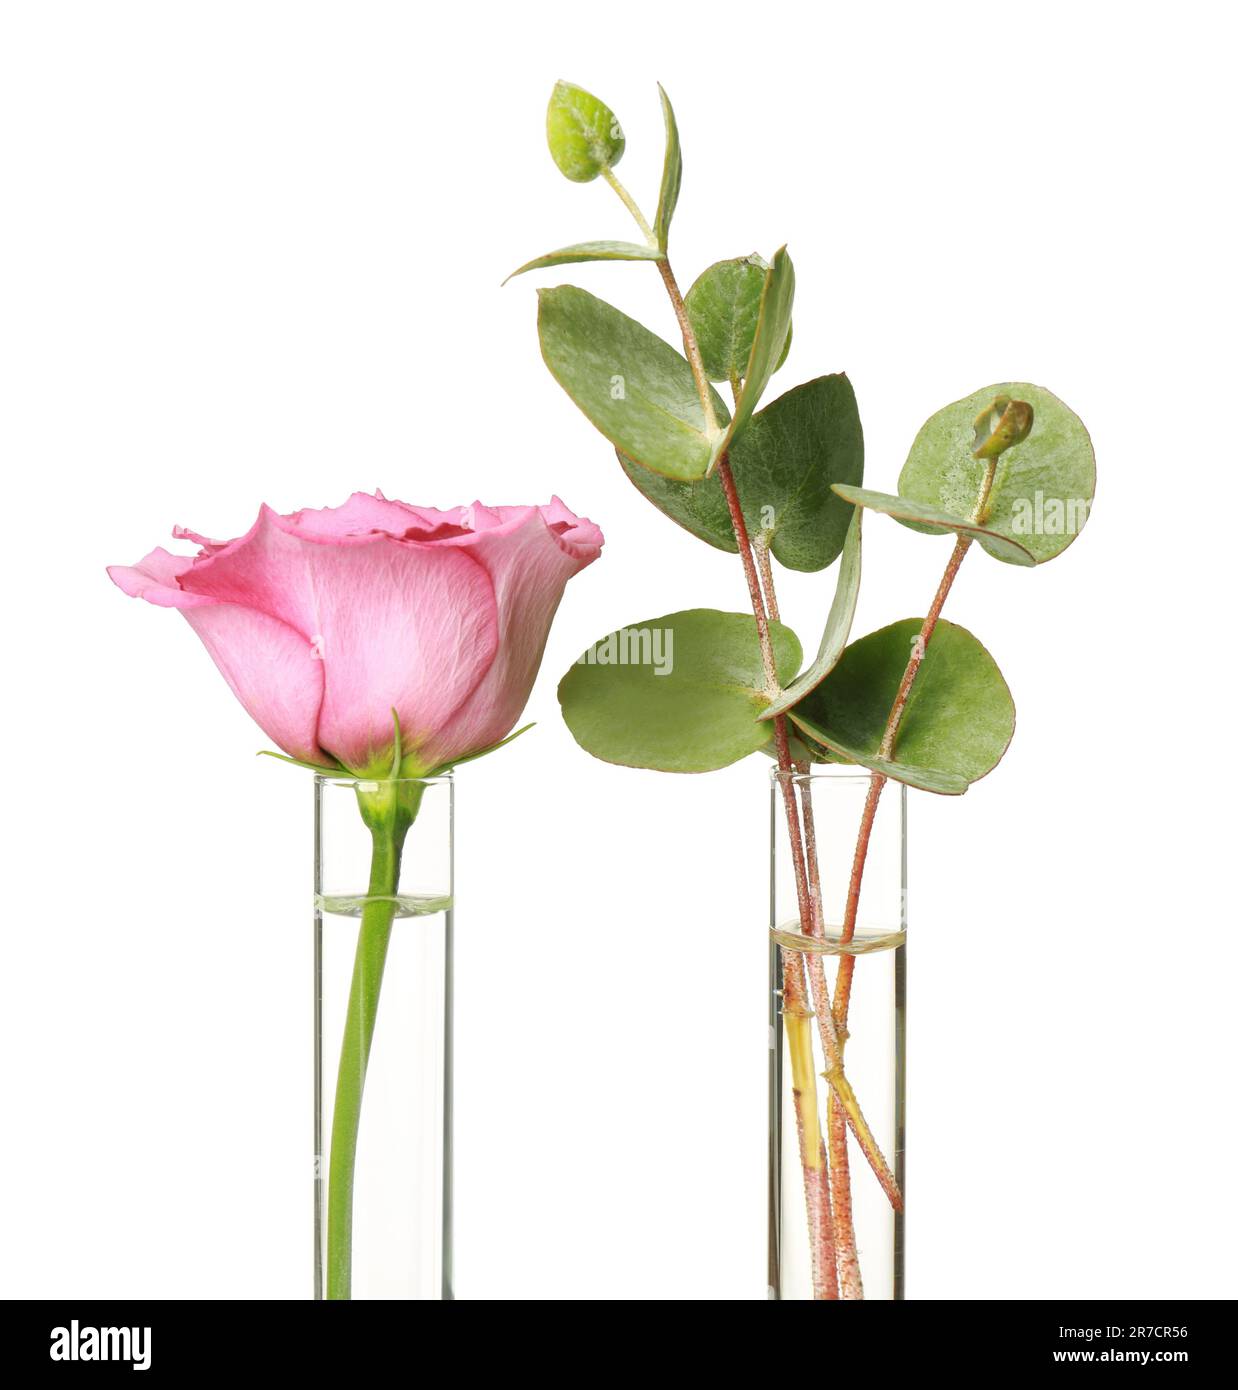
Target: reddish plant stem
column 761, row 546
column 846, row 967
column 795, row 1005
column 839, row 1176
column 851, row 1285
column 836, row 1131
column 824, row 1014
column 794, row 985
column 740, row 527
column 691, row 347
column 797, row 1028
column 828, row 1250
column 846, row 963
column 961, row 547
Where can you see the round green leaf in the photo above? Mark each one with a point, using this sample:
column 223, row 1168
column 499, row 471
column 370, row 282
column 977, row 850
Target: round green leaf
column 698, row 507
column 679, row 693
column 784, row 464
column 633, row 386
column 928, row 516
column 1043, row 489
column 583, row 133
column 959, row 718
column 723, row 306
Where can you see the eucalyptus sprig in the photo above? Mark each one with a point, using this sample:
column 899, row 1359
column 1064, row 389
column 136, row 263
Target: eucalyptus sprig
column 919, row 702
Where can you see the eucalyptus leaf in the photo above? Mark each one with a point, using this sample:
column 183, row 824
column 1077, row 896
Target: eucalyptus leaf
column 905, row 509
column 635, row 388
column 784, row 465
column 590, row 251
column 680, row 693
column 769, row 342
column 959, row 717
column 723, row 306
column 583, row 133
column 837, row 624
column 1043, row 488
column 925, row 779
column 672, row 175
column 698, row 507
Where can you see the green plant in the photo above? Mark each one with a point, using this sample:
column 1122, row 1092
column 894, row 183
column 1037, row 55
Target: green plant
column 1009, row 468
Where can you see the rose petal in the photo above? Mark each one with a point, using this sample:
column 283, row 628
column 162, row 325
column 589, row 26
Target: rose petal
column 416, row 633
column 272, row 671
column 361, row 515
column 269, row 665
column 326, row 620
column 156, row 579
column 529, row 564
column 399, row 625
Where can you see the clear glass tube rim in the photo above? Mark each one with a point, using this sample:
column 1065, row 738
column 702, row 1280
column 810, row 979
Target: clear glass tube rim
column 825, row 772
column 328, row 779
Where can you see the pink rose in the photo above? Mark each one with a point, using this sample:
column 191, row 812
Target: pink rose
column 323, row 622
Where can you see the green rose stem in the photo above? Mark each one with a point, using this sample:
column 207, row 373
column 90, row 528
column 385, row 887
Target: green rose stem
column 389, row 810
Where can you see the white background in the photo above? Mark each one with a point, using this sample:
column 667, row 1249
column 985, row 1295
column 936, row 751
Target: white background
column 253, row 252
